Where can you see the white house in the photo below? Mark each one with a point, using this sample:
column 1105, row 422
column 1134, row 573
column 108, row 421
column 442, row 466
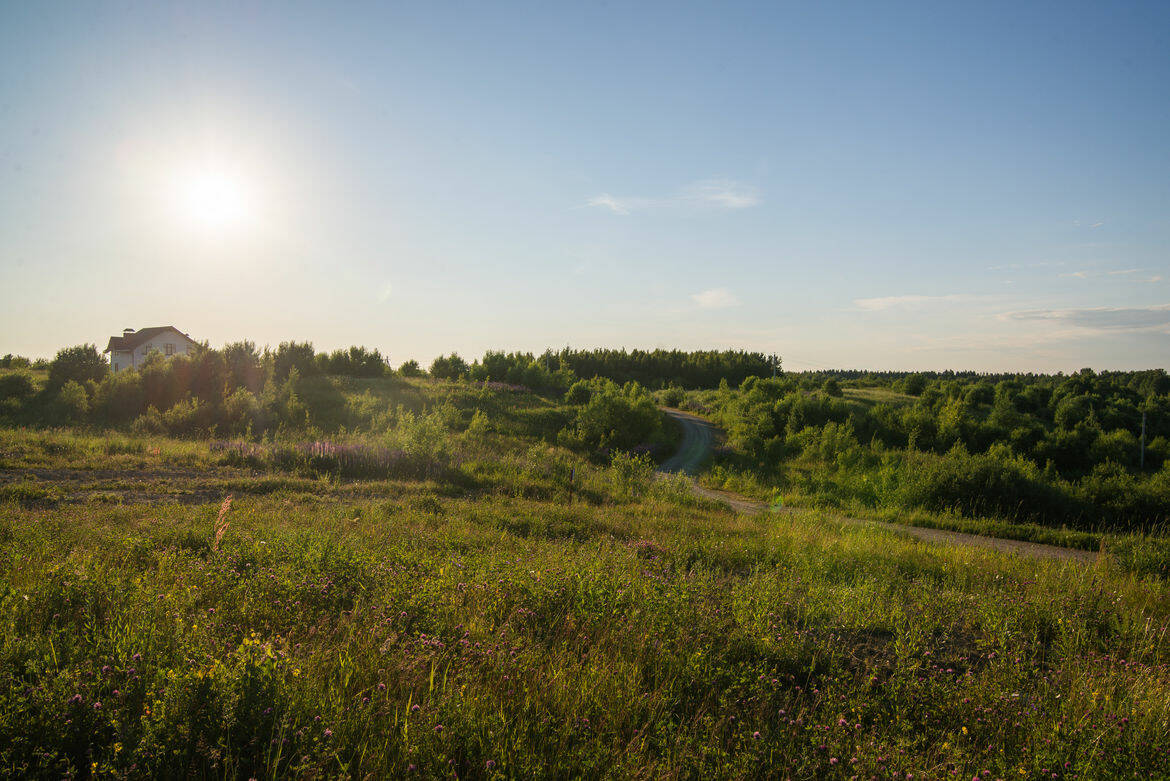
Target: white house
column 129, row 350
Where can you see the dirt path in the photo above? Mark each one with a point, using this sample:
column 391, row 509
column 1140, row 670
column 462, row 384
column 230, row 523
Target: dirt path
column 699, row 436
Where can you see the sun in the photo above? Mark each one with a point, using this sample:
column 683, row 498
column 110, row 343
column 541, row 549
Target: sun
column 214, row 201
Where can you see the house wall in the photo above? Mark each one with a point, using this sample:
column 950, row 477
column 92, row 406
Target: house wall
column 125, row 360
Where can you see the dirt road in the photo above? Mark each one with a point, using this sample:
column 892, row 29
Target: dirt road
column 699, row 437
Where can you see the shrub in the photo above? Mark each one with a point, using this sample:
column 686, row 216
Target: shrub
column 16, row 390
column 72, row 403
column 80, row 364
column 294, row 355
column 578, row 393
column 979, row 485
column 448, row 367
column 616, row 419
column 630, row 475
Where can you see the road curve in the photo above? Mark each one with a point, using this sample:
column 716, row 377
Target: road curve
column 699, row 437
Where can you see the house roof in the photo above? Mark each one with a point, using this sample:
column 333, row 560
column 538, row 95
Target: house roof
column 142, row 335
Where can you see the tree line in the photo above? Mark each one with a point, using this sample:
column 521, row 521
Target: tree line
column 1054, row 448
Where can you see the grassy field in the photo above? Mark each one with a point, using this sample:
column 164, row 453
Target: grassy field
column 526, row 612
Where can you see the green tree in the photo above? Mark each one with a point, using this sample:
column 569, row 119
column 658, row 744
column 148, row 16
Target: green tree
column 448, row 367
column 80, row 364
column 72, row 402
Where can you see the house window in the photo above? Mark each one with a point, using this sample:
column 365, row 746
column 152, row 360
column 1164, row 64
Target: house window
column 170, row 349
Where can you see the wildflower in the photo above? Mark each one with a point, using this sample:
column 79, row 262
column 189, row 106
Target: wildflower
column 381, row 687
column 328, row 733
column 756, row 734
column 491, row 763
column 414, row 708
column 438, row 728
column 833, row 760
column 97, row 705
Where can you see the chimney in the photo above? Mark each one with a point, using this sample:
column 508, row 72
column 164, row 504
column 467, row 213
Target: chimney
column 127, row 331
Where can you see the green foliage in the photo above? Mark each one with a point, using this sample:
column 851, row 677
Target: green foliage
column 631, row 475
column 522, row 369
column 354, row 362
column 529, row 637
column 615, row 418
column 449, row 367
column 410, row 369
column 17, row 390
column 435, row 588
column 11, row 361
column 80, row 364
column 1024, row 448
column 294, row 355
column 662, row 368
column 578, row 393
column 72, row 402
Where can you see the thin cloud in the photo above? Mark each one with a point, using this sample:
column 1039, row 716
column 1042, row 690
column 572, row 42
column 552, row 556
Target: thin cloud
column 1106, row 319
column 893, row 302
column 1078, row 274
column 715, row 298
column 720, row 194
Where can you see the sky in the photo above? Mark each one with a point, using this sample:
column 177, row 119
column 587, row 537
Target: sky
column 934, row 185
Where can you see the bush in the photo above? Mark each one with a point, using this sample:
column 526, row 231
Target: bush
column 80, row 364
column 448, row 367
column 72, row 403
column 294, row 355
column 578, row 393
column 981, row 485
column 630, row 476
column 16, row 390
column 354, row 362
column 612, row 418
column 410, row 369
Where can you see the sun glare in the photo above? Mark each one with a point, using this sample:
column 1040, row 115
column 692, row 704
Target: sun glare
column 214, row 201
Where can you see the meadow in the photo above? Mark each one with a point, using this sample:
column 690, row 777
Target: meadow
column 456, row 578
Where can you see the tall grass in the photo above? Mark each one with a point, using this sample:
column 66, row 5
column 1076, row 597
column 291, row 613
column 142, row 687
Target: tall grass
column 528, row 637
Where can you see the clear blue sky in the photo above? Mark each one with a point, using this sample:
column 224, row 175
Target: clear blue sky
column 885, row 185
